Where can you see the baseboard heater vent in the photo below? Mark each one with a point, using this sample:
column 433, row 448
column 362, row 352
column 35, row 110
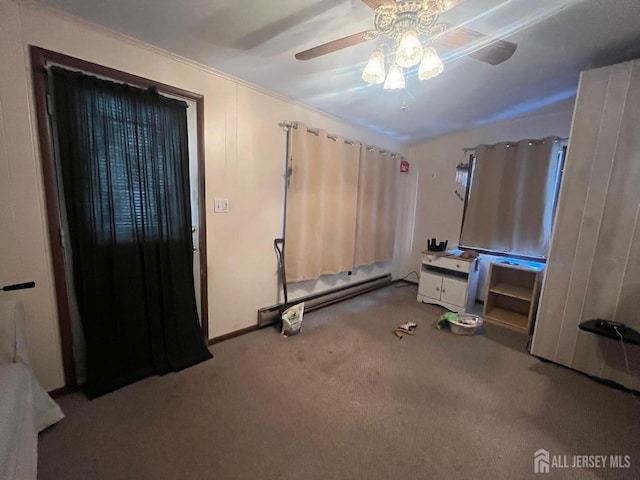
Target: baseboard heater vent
column 269, row 315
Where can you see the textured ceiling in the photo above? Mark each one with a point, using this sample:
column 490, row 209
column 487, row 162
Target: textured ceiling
column 255, row 40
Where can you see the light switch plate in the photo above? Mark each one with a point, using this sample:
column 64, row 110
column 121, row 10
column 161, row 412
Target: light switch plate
column 221, row 205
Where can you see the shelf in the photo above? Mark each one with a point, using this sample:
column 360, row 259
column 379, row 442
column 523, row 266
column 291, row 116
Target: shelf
column 512, row 296
column 512, row 291
column 509, row 318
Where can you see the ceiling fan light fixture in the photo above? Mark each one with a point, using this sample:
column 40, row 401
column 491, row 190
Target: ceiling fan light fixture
column 409, row 50
column 431, row 65
column 395, row 79
column 374, row 72
column 449, row 4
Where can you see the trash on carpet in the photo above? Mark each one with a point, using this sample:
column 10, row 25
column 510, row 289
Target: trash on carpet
column 460, row 324
column 406, row 328
column 444, row 319
column 292, row 320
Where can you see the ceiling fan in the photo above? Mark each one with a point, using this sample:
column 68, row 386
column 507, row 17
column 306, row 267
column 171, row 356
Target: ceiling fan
column 413, row 27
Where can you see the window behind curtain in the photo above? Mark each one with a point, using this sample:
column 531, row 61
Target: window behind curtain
column 341, row 205
column 512, row 196
column 131, row 189
column 134, row 203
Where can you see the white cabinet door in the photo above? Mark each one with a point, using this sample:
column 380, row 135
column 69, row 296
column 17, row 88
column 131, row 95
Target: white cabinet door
column 454, row 291
column 430, row 285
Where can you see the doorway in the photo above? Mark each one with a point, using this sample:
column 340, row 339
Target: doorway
column 41, row 60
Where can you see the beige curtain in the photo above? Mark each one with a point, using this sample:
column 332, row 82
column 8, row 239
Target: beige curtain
column 322, row 200
column 376, row 217
column 511, row 201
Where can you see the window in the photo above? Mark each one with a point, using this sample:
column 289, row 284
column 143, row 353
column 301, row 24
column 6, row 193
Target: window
column 126, row 132
column 126, row 185
column 511, row 198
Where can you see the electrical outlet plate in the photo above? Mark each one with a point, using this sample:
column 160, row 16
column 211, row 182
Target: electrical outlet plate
column 221, row 205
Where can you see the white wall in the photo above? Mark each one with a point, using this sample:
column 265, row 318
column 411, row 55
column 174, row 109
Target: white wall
column 439, row 210
column 244, row 155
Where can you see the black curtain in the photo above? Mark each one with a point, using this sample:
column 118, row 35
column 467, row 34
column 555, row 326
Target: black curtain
column 123, row 155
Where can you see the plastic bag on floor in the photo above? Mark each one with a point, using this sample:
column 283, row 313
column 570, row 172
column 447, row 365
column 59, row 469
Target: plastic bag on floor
column 292, row 320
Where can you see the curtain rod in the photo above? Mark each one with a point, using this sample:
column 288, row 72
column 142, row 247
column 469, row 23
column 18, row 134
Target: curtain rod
column 160, row 91
column 287, row 125
column 316, row 132
column 537, row 142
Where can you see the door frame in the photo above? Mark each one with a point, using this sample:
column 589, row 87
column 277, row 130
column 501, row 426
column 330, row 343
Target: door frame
column 40, row 58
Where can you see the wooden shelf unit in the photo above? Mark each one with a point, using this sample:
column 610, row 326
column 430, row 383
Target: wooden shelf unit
column 514, row 291
column 512, row 296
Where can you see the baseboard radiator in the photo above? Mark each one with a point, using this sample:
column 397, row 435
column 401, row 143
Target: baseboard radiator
column 269, row 315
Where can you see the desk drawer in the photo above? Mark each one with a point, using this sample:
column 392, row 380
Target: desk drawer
column 448, row 263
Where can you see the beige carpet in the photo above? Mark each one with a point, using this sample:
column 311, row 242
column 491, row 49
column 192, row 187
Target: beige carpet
column 347, row 400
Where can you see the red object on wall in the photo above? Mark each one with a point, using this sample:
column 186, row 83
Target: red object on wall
column 404, row 166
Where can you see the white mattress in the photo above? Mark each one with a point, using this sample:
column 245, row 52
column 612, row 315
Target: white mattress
column 25, row 407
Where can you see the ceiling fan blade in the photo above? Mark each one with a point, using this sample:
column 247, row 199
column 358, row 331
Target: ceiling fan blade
column 373, row 4
column 494, row 53
column 336, row 45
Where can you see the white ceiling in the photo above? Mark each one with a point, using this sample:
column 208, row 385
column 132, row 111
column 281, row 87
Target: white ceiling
column 255, row 40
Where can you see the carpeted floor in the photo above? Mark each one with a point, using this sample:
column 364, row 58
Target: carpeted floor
column 347, row 400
